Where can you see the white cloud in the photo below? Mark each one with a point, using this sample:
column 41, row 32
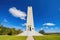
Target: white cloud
column 24, row 24
column 49, row 24
column 17, row 13
column 41, row 29
column 51, row 31
column 47, row 27
column 16, row 27
column 13, row 26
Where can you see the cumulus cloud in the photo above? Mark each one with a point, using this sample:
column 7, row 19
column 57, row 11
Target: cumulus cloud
column 41, row 29
column 47, row 27
column 51, row 30
column 24, row 24
column 16, row 27
column 17, row 13
column 49, row 24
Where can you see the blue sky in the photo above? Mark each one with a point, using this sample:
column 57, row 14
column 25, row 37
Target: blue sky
column 46, row 14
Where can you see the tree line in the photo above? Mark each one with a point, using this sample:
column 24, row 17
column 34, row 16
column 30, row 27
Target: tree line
column 9, row 31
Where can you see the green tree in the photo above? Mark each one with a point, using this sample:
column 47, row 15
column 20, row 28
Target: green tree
column 9, row 31
column 41, row 31
column 18, row 31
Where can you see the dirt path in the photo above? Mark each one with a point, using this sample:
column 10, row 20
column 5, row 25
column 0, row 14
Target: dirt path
column 30, row 38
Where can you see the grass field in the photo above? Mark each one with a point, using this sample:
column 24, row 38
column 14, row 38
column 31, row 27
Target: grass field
column 13, row 37
column 47, row 37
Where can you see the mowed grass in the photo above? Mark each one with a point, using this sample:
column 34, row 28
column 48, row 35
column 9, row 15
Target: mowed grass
column 13, row 37
column 47, row 37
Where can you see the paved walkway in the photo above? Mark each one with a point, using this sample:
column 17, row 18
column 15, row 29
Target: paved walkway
column 30, row 38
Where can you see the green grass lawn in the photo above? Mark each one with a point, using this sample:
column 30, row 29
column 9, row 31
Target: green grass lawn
column 47, row 37
column 13, row 37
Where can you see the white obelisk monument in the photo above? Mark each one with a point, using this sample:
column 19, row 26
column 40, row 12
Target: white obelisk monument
column 30, row 30
column 30, row 22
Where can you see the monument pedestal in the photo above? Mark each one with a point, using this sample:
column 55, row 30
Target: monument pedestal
column 30, row 33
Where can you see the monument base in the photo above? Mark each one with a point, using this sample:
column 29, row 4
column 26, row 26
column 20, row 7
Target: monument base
column 30, row 33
